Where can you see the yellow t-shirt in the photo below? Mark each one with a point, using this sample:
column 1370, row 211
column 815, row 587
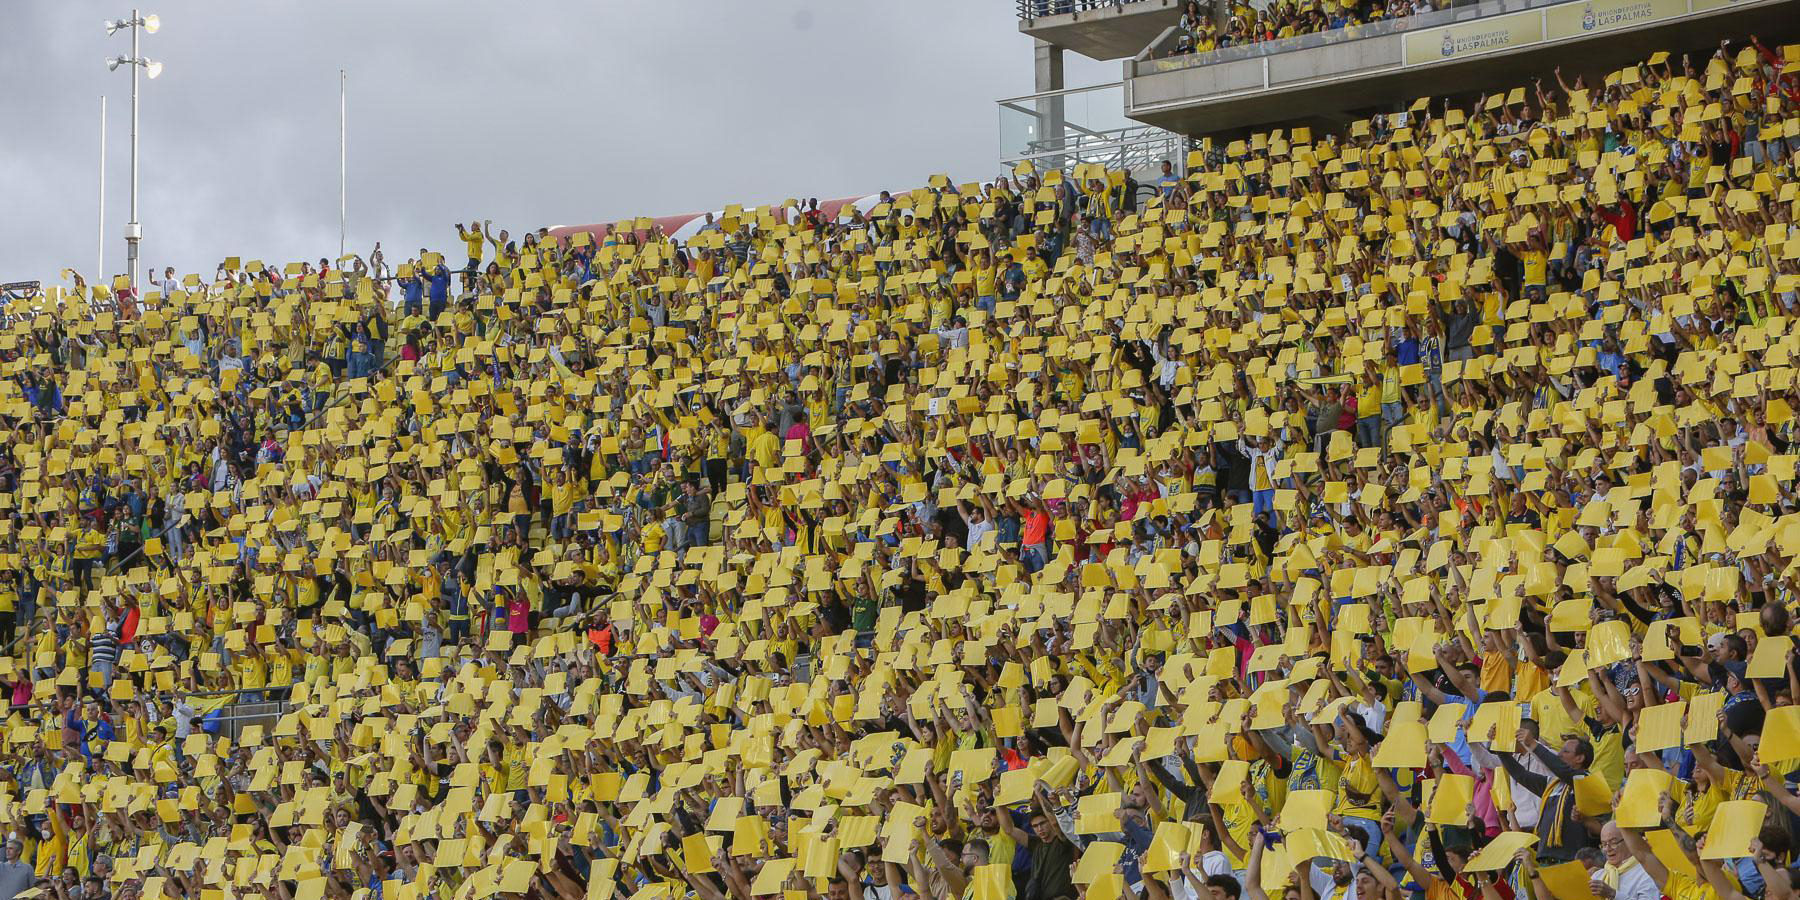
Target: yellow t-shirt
column 89, row 544
column 516, row 776
column 1368, row 403
column 250, row 671
column 1683, row 887
column 562, row 498
column 766, row 448
column 1496, row 673
column 1239, row 822
column 1490, row 316
column 1694, row 811
column 80, row 854
column 50, row 855
column 1537, row 266
column 281, row 669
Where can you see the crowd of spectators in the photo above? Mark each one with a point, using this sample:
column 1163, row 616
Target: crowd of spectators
column 1402, row 512
column 1199, row 32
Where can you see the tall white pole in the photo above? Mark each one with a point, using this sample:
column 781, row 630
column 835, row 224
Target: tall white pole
column 343, row 191
column 133, row 231
column 100, row 244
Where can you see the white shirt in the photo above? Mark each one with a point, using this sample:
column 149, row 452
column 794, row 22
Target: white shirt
column 1634, row 882
column 1527, row 807
column 1326, row 889
column 979, row 530
column 1215, row 862
column 184, row 719
column 1374, row 715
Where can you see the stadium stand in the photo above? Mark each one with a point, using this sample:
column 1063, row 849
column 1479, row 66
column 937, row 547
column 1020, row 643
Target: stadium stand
column 1197, row 33
column 1407, row 511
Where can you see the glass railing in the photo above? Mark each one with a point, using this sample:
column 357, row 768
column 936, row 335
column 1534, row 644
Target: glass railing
column 1046, row 122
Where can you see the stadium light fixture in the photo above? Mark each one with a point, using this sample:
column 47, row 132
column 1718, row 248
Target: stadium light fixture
column 150, row 24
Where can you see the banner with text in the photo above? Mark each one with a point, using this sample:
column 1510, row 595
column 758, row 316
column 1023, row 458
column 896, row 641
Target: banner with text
column 1474, row 38
column 1594, row 16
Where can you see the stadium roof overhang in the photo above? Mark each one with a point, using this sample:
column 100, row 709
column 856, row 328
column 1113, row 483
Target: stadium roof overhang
column 1113, row 31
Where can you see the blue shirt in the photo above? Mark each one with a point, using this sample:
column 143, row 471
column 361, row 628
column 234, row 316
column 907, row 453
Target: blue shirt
column 1461, row 744
column 440, row 284
column 1749, row 877
column 1406, row 351
column 1611, row 361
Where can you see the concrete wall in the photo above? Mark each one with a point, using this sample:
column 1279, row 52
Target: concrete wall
column 1200, row 81
column 1335, row 60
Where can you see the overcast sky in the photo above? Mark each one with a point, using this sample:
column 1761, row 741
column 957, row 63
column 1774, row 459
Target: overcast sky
column 527, row 114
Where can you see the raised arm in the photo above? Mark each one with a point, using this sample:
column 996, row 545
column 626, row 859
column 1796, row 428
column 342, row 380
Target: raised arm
column 1646, row 857
column 1253, row 888
column 1402, row 853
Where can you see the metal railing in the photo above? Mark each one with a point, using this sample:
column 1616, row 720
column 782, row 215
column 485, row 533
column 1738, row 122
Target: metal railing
column 1066, row 128
column 234, row 718
column 1038, row 9
column 1135, row 148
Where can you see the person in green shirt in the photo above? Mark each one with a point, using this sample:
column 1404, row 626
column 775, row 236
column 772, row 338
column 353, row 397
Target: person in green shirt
column 864, row 609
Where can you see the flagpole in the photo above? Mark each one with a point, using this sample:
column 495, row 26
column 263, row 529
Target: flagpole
column 100, row 244
column 343, row 190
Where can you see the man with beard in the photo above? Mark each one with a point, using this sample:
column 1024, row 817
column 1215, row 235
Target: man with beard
column 1048, row 852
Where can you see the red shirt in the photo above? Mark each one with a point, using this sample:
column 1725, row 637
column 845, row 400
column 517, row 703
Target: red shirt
column 802, row 432
column 1624, row 221
column 128, row 628
column 518, row 615
column 602, row 639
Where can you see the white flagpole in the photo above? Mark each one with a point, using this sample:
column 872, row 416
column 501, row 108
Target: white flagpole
column 100, row 244
column 343, row 190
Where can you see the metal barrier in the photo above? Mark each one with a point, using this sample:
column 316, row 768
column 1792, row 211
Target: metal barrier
column 1038, row 9
column 237, row 716
column 1066, row 128
column 1130, row 149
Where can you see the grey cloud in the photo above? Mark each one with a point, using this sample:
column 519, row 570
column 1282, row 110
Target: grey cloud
column 528, row 114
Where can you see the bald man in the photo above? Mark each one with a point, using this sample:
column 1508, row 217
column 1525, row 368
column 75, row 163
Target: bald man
column 1621, row 878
